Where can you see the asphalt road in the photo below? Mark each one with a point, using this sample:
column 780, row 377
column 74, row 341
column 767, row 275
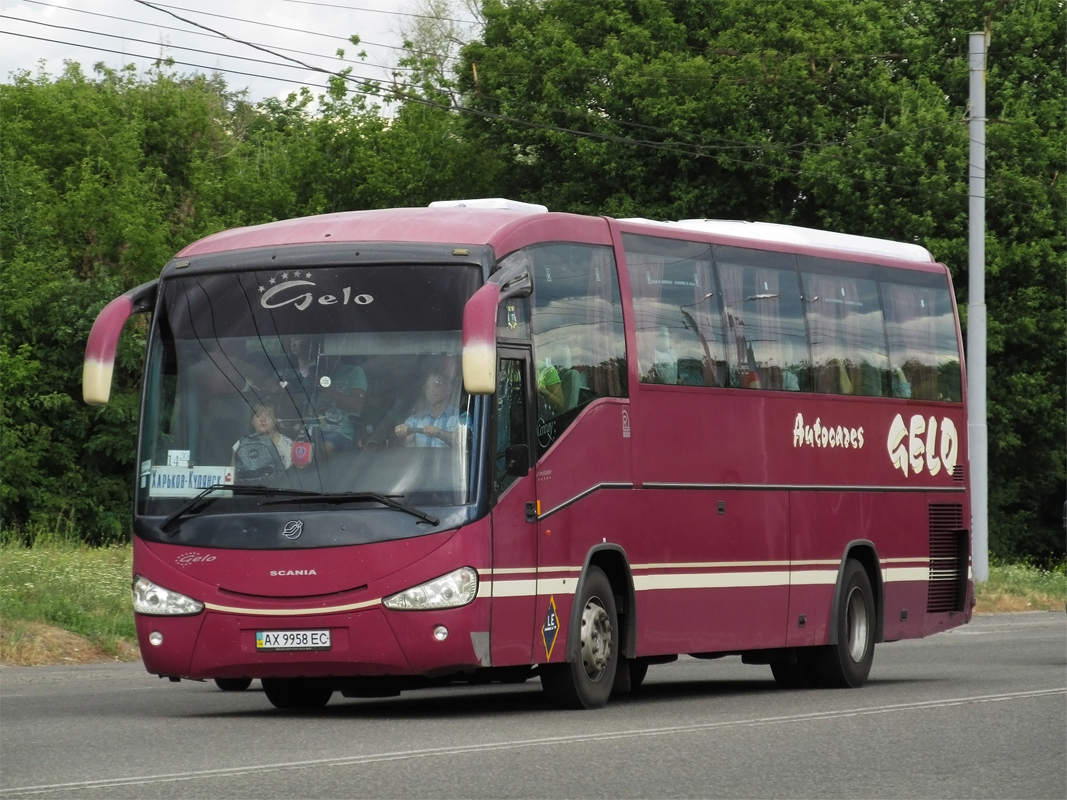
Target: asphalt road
column 977, row 712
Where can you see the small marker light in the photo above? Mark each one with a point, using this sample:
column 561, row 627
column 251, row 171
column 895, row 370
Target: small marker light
column 155, row 638
column 440, row 633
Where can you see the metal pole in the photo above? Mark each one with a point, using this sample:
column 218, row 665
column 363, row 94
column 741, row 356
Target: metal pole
column 976, row 315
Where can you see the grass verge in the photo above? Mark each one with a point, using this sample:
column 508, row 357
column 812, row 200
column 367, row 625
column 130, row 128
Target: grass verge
column 63, row 602
column 1022, row 587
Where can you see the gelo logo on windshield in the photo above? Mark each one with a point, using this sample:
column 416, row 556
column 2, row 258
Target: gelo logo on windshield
column 293, row 293
column 917, row 446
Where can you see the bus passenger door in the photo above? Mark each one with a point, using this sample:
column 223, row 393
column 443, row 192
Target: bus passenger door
column 514, row 491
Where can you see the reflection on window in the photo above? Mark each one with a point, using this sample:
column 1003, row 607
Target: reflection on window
column 296, row 400
column 766, row 344
column 847, row 333
column 676, row 311
column 754, row 319
column 923, row 348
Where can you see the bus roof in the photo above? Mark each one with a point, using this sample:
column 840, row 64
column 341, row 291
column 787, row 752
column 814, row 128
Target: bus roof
column 496, row 221
column 469, row 225
column 793, row 234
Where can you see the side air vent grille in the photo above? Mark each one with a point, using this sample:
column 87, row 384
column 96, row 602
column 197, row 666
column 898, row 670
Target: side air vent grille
column 957, row 473
column 949, row 554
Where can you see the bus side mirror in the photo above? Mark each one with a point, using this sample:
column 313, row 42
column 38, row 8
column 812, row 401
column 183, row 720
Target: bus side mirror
column 479, row 340
column 517, row 460
column 479, row 321
column 104, row 340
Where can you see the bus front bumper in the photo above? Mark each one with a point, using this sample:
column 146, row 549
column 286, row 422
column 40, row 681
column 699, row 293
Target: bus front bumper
column 369, row 642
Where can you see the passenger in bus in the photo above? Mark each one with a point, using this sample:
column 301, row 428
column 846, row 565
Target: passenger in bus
column 901, row 384
column 340, row 403
column 572, row 381
column 549, row 387
column 303, row 352
column 664, row 359
column 265, row 452
column 438, row 423
column 791, row 355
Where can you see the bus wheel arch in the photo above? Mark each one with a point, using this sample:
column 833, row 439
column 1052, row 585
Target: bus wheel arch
column 846, row 661
column 865, row 553
column 600, row 636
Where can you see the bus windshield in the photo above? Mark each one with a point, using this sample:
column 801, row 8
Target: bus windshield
column 331, row 381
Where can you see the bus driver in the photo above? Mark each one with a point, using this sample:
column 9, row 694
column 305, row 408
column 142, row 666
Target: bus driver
column 439, row 424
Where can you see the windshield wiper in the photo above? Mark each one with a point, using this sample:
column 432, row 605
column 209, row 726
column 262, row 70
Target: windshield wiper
column 204, row 501
column 348, row 497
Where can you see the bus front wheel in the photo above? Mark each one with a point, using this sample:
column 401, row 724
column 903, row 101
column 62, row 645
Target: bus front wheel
column 847, row 663
column 297, row 693
column 586, row 682
column 233, row 684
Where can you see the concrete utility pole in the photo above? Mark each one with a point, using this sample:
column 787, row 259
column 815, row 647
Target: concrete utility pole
column 976, row 315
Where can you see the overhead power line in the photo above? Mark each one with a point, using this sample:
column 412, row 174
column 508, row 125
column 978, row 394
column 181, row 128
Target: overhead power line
column 171, row 46
column 156, row 59
column 370, row 87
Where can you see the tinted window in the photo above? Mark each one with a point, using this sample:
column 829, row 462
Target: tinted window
column 578, row 340
column 846, row 327
column 676, row 311
column 765, row 342
column 921, row 330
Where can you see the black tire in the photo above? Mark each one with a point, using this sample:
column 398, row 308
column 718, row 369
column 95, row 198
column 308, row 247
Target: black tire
column 233, row 684
column 297, row 693
column 846, row 664
column 799, row 673
column 587, row 681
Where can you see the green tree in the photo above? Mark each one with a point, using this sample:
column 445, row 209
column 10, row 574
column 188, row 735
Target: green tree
column 838, row 114
column 98, row 189
column 103, row 179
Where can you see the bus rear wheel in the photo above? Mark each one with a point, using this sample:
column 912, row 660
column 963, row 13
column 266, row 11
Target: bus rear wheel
column 587, row 681
column 800, row 673
column 847, row 663
column 297, row 692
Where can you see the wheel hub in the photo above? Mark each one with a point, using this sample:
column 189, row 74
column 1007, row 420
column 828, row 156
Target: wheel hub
column 857, row 625
column 596, row 639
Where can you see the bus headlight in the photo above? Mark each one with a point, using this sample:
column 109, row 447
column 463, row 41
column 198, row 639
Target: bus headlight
column 157, row 601
column 449, row 591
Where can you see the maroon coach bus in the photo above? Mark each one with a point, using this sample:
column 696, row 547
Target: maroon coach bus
column 479, row 441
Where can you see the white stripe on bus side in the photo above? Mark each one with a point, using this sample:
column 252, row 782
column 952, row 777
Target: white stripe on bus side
column 647, row 577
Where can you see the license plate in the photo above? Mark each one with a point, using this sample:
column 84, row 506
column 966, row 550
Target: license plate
column 293, row 640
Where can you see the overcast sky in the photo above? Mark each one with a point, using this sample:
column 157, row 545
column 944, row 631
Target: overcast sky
column 120, row 32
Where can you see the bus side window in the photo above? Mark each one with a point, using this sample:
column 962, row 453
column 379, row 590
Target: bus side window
column 578, row 339
column 766, row 343
column 847, row 328
column 679, row 329
column 923, row 350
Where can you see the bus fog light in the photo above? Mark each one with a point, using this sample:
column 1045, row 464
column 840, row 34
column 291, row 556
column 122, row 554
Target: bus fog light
column 455, row 589
column 148, row 598
column 440, row 633
column 155, row 638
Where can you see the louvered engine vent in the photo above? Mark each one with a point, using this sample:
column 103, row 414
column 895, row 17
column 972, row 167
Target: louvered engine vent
column 949, row 553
